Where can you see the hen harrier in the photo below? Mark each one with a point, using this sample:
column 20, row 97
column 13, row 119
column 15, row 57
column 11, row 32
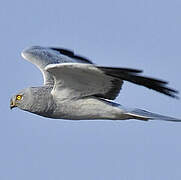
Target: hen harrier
column 75, row 88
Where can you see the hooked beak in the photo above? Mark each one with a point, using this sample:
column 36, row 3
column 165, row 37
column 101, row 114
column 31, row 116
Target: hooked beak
column 12, row 104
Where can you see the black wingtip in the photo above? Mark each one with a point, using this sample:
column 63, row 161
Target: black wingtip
column 172, row 93
column 132, row 75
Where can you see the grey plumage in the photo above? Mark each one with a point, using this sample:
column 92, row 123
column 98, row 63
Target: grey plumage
column 75, row 88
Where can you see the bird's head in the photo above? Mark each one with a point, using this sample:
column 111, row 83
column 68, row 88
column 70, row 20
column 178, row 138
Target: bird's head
column 20, row 100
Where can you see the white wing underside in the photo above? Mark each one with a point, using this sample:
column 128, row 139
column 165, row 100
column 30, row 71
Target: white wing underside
column 79, row 80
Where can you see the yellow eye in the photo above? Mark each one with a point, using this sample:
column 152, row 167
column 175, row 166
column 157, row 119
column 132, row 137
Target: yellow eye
column 18, row 97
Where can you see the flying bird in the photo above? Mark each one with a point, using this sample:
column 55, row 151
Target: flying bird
column 77, row 89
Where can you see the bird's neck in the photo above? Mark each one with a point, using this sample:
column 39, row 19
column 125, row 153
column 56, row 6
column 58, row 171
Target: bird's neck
column 42, row 101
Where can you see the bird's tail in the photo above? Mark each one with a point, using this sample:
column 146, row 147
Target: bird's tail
column 145, row 115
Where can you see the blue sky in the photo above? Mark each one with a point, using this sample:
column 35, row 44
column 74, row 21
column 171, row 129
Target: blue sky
column 143, row 34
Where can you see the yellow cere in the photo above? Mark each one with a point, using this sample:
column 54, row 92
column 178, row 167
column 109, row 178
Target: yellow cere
column 18, row 97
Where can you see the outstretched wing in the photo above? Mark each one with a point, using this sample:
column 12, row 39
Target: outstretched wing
column 42, row 56
column 81, row 80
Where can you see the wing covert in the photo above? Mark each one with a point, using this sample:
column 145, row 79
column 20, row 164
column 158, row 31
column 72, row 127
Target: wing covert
column 81, row 80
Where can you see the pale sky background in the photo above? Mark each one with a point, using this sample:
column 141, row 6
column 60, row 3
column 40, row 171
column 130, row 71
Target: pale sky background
column 143, row 34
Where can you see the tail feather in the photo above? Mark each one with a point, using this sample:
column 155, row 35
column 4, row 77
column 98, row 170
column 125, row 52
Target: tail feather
column 145, row 115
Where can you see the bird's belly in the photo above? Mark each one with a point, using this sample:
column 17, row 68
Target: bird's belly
column 90, row 108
